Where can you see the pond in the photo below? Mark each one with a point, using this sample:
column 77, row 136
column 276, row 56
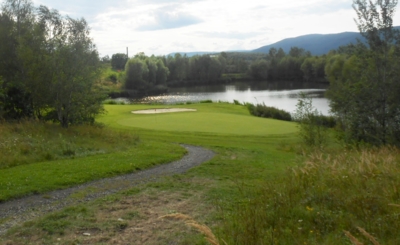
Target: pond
column 282, row 95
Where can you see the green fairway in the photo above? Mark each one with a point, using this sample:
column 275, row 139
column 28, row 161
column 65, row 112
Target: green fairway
column 218, row 118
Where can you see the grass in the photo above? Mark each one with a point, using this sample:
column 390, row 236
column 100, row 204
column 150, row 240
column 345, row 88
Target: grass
column 260, row 188
column 240, row 158
column 39, row 157
column 30, row 142
column 219, row 118
column 316, row 201
column 46, row 176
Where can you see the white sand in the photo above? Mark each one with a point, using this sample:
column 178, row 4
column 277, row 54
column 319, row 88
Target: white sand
column 167, row 110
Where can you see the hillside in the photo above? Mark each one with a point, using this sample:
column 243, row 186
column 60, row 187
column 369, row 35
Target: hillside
column 317, row 44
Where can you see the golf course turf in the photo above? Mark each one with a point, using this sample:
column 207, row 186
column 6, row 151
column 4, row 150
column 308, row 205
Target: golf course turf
column 220, row 118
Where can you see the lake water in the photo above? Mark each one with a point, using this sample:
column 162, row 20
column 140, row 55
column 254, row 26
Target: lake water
column 282, row 95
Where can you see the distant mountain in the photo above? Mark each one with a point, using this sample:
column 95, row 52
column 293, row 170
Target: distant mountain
column 317, row 44
column 191, row 54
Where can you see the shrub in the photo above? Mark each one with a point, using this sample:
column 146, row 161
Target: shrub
column 113, row 77
column 236, row 102
column 261, row 110
column 206, row 101
column 110, row 102
column 311, row 123
column 326, row 121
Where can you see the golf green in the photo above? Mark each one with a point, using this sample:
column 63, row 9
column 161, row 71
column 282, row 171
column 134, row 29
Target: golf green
column 210, row 118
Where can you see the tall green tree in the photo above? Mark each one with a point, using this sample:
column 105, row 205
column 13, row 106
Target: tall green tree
column 54, row 65
column 2, row 96
column 313, row 68
column 118, row 61
column 73, row 67
column 259, row 70
column 143, row 73
column 162, row 73
column 136, row 74
column 365, row 87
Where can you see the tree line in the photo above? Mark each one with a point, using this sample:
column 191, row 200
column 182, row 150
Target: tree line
column 140, row 71
column 48, row 67
column 144, row 74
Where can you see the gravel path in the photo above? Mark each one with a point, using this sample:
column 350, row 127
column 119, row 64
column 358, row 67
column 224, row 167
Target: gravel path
column 21, row 210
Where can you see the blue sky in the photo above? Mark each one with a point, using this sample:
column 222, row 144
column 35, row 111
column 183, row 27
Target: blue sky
column 164, row 26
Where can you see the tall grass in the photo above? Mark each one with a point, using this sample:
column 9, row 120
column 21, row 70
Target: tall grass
column 316, row 201
column 203, row 229
column 31, row 141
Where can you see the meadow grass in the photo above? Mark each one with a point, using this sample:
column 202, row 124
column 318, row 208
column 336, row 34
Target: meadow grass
column 321, row 200
column 30, row 142
column 260, row 188
column 39, row 157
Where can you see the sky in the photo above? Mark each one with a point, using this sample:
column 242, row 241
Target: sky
column 161, row 27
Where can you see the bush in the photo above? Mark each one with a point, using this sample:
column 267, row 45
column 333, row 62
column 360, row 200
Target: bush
column 326, row 121
column 268, row 112
column 236, row 102
column 113, row 77
column 206, row 101
column 312, row 131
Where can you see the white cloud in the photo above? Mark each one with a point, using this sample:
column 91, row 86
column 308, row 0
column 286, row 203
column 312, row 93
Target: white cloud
column 168, row 18
column 166, row 26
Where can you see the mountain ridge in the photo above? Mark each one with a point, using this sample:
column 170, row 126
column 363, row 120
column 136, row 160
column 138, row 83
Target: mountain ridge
column 317, row 44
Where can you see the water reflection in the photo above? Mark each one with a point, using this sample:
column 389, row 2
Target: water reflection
column 283, row 95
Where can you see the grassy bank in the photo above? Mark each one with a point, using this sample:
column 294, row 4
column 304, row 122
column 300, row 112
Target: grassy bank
column 262, row 187
column 39, row 157
column 30, row 142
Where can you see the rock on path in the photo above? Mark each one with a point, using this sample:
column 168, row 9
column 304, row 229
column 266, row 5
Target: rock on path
column 27, row 208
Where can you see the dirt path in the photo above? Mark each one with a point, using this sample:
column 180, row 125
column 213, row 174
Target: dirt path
column 21, row 210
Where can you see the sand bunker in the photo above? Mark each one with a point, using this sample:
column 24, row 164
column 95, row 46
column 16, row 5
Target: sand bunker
column 167, row 110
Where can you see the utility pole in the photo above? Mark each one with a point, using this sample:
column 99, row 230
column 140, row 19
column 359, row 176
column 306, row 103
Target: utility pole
column 127, row 53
